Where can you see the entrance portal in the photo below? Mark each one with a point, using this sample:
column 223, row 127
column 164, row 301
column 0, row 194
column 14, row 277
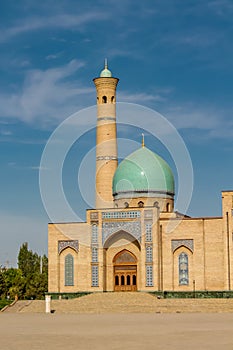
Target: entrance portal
column 125, row 272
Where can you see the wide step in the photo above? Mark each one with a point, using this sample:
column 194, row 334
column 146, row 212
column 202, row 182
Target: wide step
column 126, row 303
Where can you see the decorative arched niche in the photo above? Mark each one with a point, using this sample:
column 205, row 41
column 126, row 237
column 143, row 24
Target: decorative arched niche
column 124, row 257
column 115, row 237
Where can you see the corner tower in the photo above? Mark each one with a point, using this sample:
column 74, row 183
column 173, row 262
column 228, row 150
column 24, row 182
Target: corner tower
column 106, row 137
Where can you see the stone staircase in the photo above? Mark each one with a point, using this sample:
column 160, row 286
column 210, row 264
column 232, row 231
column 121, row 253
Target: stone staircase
column 17, row 306
column 134, row 302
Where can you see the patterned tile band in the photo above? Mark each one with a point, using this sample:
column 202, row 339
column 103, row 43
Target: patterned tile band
column 94, row 215
column 132, row 227
column 106, row 158
column 121, row 214
column 106, row 118
column 65, row 244
column 176, row 243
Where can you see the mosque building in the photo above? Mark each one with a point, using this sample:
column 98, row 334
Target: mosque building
column 126, row 243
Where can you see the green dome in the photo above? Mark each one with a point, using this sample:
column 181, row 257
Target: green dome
column 106, row 73
column 143, row 173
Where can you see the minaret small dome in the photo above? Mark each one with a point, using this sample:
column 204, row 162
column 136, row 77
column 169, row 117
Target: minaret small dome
column 105, row 73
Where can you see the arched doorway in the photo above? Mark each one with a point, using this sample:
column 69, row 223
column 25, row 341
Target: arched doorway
column 125, row 272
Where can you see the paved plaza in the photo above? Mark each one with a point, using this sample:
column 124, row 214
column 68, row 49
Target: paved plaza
column 116, row 331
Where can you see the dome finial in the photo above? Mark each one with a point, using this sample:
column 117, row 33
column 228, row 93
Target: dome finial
column 105, row 63
column 143, row 140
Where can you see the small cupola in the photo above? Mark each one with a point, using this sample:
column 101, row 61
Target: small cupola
column 105, row 73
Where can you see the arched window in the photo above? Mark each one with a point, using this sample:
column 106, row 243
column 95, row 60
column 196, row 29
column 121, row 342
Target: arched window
column 128, row 280
column 94, row 254
column 148, row 232
column 94, row 233
column 168, row 207
column 117, row 280
column 122, row 280
column 149, row 275
column 69, row 270
column 149, row 253
column 95, row 275
column 104, row 99
column 134, row 280
column 126, row 205
column 140, row 204
column 112, row 99
column 183, row 269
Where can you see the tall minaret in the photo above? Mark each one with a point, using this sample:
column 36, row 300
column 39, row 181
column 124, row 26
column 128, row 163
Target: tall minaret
column 106, row 137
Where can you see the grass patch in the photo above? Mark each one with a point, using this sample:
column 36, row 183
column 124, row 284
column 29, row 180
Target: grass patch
column 55, row 296
column 4, row 302
column 193, row 294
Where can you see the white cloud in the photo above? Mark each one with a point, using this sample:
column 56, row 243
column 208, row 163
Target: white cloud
column 221, row 7
column 36, row 167
column 49, row 96
column 62, row 21
column 188, row 116
column 217, row 123
column 119, row 52
column 5, row 132
column 53, row 56
column 139, row 97
column 16, row 139
column 14, row 165
column 157, row 94
column 46, row 96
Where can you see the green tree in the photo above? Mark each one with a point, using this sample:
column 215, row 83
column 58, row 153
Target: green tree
column 34, row 270
column 28, row 262
column 15, row 283
column 29, row 280
column 44, row 261
column 3, row 287
column 37, row 286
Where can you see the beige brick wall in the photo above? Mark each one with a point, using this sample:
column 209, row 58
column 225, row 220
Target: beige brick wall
column 209, row 262
column 227, row 212
column 206, row 261
column 66, row 232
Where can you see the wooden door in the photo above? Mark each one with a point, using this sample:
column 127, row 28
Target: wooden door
column 125, row 272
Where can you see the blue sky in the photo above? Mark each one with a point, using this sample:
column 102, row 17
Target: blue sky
column 175, row 57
